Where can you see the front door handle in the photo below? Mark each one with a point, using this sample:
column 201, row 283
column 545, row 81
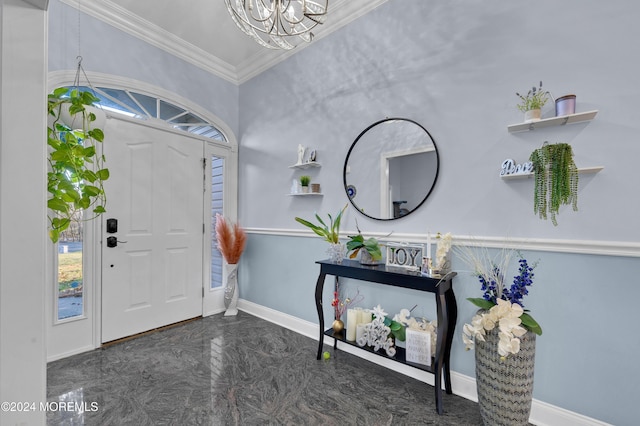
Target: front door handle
column 113, row 242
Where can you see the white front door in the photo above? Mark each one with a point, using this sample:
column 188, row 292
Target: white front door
column 154, row 274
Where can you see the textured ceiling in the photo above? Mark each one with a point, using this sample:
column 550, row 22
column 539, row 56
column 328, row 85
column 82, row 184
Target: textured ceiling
column 203, row 33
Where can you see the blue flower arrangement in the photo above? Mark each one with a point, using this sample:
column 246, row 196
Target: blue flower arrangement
column 490, row 273
column 501, row 306
column 517, row 290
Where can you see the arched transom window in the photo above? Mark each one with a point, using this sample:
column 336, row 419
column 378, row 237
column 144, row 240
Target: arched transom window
column 145, row 107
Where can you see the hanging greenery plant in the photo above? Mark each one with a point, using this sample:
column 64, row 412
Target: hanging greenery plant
column 556, row 179
column 77, row 172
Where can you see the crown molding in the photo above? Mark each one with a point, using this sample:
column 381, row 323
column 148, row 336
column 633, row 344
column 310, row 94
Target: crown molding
column 120, row 18
column 40, row 4
column 341, row 13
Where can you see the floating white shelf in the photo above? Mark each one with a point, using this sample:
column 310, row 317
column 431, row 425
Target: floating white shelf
column 306, row 194
column 553, row 121
column 305, row 165
column 585, row 170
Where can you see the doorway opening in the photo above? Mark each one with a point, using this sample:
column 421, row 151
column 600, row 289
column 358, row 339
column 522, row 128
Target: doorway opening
column 76, row 262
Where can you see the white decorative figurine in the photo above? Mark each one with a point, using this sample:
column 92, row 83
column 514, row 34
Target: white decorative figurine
column 301, row 151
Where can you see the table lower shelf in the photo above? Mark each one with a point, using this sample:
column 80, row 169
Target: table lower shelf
column 400, row 356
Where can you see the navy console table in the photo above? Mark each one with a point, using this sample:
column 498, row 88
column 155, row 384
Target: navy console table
column 447, row 312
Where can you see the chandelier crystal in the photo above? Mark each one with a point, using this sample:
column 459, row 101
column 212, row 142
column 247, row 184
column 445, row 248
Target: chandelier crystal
column 274, row 23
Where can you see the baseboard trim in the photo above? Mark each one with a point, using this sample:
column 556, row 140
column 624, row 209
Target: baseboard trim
column 542, row 413
column 76, row 351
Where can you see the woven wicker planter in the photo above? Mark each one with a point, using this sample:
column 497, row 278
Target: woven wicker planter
column 505, row 387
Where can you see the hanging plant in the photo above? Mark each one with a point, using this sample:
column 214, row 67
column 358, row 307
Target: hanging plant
column 556, row 179
column 77, row 172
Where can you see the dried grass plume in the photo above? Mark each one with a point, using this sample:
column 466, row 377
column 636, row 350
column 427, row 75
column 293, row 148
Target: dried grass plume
column 231, row 239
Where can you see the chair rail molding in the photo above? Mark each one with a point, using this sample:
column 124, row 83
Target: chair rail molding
column 602, row 248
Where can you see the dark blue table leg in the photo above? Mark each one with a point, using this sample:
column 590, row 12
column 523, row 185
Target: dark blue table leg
column 319, row 288
column 441, row 361
column 452, row 317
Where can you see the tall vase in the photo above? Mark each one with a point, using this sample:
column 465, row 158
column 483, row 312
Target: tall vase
column 231, row 291
column 505, row 387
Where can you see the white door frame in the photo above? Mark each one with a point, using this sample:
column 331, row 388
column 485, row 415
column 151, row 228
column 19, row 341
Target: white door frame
column 213, row 301
column 386, row 191
column 82, row 334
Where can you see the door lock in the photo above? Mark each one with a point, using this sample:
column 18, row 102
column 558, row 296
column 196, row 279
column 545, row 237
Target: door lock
column 112, row 226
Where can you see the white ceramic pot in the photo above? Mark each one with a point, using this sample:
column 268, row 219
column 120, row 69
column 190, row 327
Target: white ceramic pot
column 231, row 290
column 532, row 115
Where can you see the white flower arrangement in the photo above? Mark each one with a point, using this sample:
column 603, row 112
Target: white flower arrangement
column 506, row 316
column 442, row 249
column 381, row 332
column 423, row 325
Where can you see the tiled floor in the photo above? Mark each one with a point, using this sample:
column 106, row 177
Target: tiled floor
column 238, row 371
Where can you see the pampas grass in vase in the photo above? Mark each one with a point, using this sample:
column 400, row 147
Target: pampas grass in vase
column 231, row 241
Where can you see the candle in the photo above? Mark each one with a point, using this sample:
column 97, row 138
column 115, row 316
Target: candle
column 365, row 316
column 358, row 314
column 428, row 245
column 352, row 322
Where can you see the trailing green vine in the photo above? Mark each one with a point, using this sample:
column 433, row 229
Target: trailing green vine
column 77, row 172
column 556, row 179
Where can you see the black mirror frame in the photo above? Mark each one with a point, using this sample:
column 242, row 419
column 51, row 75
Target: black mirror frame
column 346, row 161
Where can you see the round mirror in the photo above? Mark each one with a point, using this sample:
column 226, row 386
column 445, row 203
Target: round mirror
column 391, row 168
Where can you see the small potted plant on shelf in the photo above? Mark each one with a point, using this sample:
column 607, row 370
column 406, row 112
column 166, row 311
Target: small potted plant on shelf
column 304, row 182
column 532, row 103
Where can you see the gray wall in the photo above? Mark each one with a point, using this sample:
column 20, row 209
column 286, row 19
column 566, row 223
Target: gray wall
column 454, row 67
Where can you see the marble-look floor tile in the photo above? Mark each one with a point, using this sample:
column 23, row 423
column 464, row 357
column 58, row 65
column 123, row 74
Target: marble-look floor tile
column 239, row 371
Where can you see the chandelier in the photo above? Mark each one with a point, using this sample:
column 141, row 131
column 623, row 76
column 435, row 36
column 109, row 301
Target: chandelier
column 273, row 23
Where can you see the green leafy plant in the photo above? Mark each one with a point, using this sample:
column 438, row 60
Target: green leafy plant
column 329, row 233
column 371, row 245
column 357, row 243
column 535, row 99
column 556, row 179
column 77, row 172
column 305, row 180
